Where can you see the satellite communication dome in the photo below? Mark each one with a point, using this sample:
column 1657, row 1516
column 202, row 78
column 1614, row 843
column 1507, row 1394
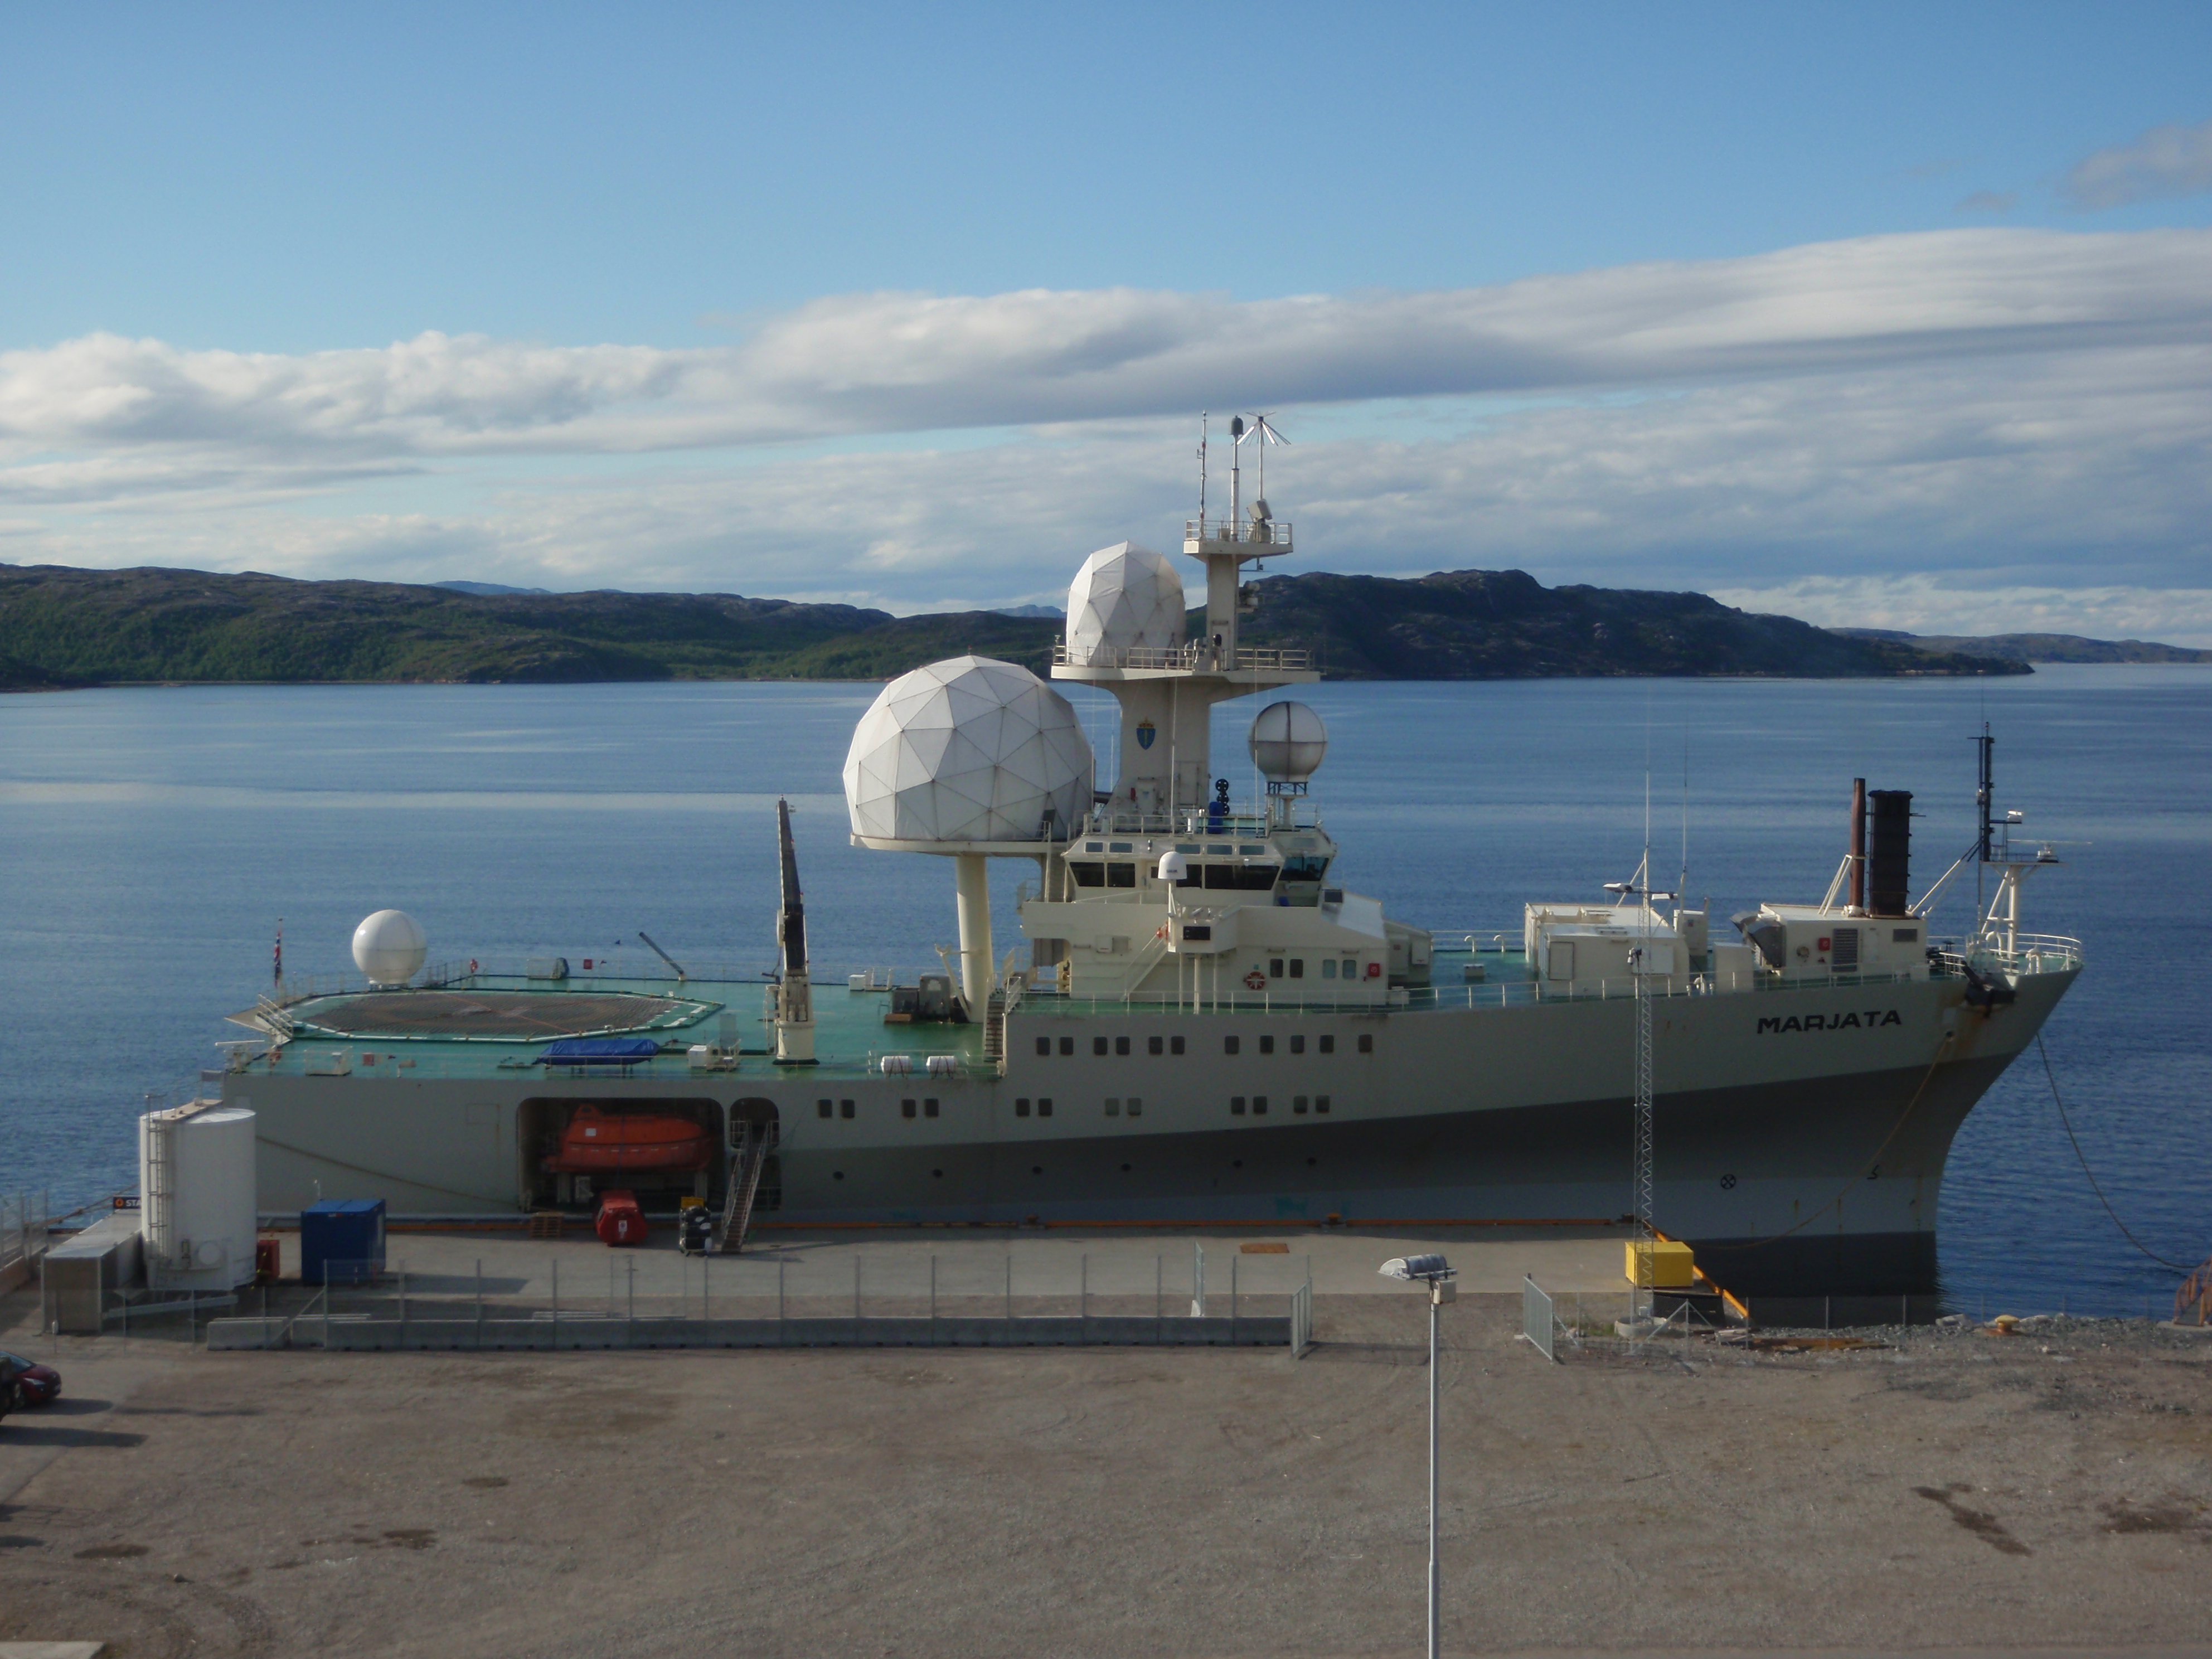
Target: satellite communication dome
column 1288, row 742
column 970, row 749
column 1126, row 595
column 389, row 947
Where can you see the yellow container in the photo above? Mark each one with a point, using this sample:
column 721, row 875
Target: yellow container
column 1661, row 1264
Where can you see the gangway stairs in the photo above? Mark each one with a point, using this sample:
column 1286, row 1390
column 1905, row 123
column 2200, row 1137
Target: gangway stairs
column 755, row 1142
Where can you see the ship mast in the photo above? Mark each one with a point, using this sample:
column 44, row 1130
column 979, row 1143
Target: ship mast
column 794, row 995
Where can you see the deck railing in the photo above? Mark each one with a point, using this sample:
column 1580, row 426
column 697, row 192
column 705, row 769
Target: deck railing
column 1198, row 655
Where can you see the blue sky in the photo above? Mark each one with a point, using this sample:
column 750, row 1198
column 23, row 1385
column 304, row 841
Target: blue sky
column 915, row 307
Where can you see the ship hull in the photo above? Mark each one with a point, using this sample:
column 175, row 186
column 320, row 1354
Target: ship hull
column 1801, row 1135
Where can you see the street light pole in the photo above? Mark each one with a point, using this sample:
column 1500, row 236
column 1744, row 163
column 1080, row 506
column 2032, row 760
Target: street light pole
column 1435, row 1272
column 1436, row 1589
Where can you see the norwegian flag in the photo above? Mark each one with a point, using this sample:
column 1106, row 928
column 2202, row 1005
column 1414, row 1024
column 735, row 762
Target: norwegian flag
column 276, row 963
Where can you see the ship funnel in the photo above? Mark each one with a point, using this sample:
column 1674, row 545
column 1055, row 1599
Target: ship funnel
column 1890, row 855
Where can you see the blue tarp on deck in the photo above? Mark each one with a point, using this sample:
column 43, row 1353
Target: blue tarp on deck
column 600, row 1051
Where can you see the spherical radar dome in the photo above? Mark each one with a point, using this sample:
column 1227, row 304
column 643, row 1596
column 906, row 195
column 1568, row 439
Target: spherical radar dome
column 970, row 749
column 1125, row 595
column 389, row 947
column 1288, row 742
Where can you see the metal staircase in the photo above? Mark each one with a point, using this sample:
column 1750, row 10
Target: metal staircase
column 755, row 1142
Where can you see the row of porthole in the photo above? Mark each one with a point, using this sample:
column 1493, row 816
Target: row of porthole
column 1238, row 1106
column 1299, row 1105
column 1325, row 1043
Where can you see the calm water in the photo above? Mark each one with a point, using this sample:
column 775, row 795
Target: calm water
column 153, row 838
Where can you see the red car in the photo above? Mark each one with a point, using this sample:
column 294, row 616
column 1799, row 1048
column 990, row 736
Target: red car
column 26, row 1382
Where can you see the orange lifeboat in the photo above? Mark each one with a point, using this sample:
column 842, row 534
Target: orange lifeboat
column 647, row 1143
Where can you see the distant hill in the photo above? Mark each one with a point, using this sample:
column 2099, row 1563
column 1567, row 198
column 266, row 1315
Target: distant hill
column 63, row 627
column 487, row 587
column 1505, row 624
column 2036, row 648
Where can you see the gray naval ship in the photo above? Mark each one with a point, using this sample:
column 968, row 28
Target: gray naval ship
column 1207, row 1028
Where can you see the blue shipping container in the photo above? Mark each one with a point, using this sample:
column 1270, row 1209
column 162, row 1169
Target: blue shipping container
column 342, row 1241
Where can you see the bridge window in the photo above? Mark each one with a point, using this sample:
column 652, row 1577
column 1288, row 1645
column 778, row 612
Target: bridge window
column 1236, row 1105
column 1098, row 1045
column 844, row 1109
column 1298, row 1045
column 1329, row 966
column 1153, row 1045
column 1298, row 1104
column 1258, row 1105
column 1136, row 1107
column 821, row 1109
column 1298, row 967
column 928, row 1108
column 1367, row 1042
column 1113, row 1108
column 1274, row 968
column 1067, row 1045
column 1267, row 1044
column 1022, row 1107
column 1228, row 1045
column 1327, row 1044
column 1088, row 873
column 1044, row 1106
column 1321, row 1105
column 1120, row 1045
column 1175, row 1045
column 1044, row 1045
column 1121, row 847
column 1120, row 875
column 906, row 1109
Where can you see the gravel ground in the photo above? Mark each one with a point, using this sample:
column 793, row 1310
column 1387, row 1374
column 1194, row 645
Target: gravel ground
column 1925, row 1488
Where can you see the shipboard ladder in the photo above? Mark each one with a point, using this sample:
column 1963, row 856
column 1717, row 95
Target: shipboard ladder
column 755, row 1141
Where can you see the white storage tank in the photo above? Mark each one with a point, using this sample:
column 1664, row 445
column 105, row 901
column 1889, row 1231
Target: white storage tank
column 196, row 1185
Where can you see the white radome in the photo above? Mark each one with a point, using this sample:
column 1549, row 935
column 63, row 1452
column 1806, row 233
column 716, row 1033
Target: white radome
column 389, row 947
column 967, row 750
column 1288, row 742
column 1125, row 595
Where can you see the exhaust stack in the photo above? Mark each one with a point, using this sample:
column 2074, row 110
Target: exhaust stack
column 1856, row 897
column 1890, row 857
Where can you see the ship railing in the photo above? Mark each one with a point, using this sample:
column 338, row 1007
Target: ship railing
column 1490, row 994
column 1253, row 533
column 1199, row 656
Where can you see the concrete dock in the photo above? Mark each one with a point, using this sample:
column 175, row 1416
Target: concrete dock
column 1934, row 1490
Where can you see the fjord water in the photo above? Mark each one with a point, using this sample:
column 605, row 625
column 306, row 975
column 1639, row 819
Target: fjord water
column 154, row 837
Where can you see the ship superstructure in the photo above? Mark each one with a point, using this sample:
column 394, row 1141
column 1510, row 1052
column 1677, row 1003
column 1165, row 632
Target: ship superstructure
column 1207, row 1027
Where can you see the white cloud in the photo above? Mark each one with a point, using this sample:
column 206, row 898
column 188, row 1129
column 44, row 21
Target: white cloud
column 901, row 363
column 2166, row 161
column 2009, row 412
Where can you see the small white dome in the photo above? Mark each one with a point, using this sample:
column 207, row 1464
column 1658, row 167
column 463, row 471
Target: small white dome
column 1126, row 595
column 1288, row 742
column 970, row 749
column 389, row 947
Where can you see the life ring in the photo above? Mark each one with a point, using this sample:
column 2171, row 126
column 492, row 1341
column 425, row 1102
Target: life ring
column 472, row 965
column 1256, row 980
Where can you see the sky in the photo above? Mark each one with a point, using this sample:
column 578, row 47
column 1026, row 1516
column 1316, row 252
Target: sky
column 1885, row 316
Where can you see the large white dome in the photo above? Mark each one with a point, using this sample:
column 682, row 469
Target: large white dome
column 1125, row 595
column 389, row 946
column 970, row 749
